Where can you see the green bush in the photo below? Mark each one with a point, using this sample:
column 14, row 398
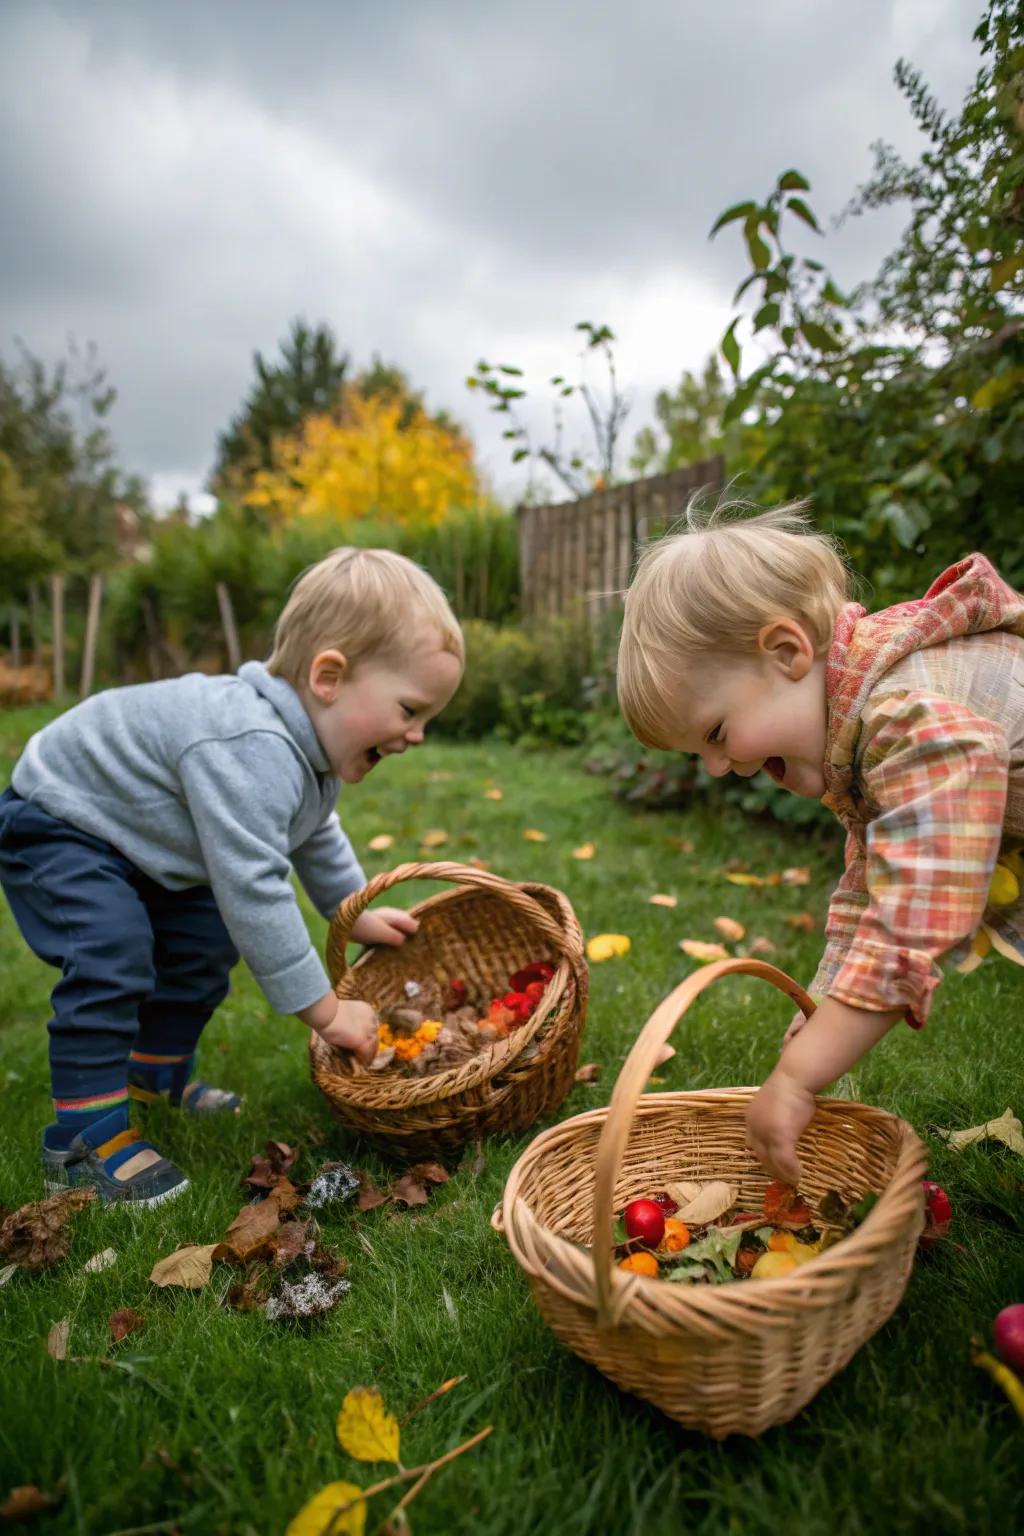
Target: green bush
column 525, row 685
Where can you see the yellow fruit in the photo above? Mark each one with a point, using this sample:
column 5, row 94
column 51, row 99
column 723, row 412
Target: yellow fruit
column 1004, row 887
column 640, row 1264
column 771, row 1265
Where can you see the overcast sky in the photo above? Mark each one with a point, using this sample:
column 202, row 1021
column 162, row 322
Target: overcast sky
column 439, row 181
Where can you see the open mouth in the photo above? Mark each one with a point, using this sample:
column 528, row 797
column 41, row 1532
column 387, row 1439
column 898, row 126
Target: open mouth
column 775, row 768
column 373, row 756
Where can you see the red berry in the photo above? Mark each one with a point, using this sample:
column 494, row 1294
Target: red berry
column 1008, row 1333
column 644, row 1222
column 937, row 1214
column 665, row 1203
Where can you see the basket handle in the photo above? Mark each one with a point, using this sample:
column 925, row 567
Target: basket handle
column 636, row 1069
column 353, row 906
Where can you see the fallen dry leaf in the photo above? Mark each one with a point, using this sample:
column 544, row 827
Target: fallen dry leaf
column 123, row 1322
column 588, row 1073
column 493, row 794
column 730, row 929
column 436, row 838
column 250, row 1231
column 265, row 1171
column 760, row 946
column 369, row 1196
column 100, row 1261
column 295, row 1240
column 661, row 900
column 739, row 877
column 339, row 1508
column 36, row 1235
column 607, row 946
column 800, row 876
column 585, row 851
column 24, row 1502
column 475, row 863
column 190, row 1267
column 365, row 1428
column 684, row 1190
column 680, row 844
column 1006, row 1129
column 711, row 1201
column 380, row 842
column 804, row 922
column 57, row 1339
column 409, row 1190
column 698, row 950
column 534, row 835
column 430, row 1172
column 7, row 1273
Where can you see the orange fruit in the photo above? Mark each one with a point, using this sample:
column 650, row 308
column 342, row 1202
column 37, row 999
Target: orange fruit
column 640, row 1264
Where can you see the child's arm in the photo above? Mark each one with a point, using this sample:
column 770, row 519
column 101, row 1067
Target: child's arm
column 845, row 910
column 832, row 1041
column 349, row 1025
column 330, row 871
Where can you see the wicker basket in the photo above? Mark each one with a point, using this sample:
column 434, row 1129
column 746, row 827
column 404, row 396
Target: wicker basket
column 481, row 931
column 723, row 1359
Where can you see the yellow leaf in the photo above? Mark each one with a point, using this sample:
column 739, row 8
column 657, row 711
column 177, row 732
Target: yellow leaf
column 189, row 1267
column 365, row 1427
column 730, row 929
column 1004, row 887
column 662, row 901
column 585, row 851
column 533, row 836
column 1002, row 1376
column 434, row 839
column 321, row 1513
column 606, row 946
column 380, row 842
column 736, row 877
column 698, row 950
column 1006, row 1129
column 493, row 794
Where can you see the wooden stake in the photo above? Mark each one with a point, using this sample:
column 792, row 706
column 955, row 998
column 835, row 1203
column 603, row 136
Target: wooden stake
column 92, row 625
column 227, row 619
column 57, row 599
column 15, row 640
column 36, row 624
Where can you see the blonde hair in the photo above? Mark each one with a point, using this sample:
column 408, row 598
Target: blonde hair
column 361, row 602
column 712, row 588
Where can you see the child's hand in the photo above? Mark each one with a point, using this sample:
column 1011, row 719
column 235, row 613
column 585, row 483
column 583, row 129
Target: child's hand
column 384, row 925
column 776, row 1119
column 354, row 1028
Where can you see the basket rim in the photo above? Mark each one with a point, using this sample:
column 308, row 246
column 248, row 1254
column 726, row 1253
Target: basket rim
column 374, row 1092
column 821, row 1280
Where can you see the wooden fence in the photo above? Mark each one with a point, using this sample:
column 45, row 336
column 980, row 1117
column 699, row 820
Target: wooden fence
column 585, row 549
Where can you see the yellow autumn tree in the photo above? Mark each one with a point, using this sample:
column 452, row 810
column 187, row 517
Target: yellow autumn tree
column 370, row 458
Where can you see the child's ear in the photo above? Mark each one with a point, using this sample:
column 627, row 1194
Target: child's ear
column 327, row 671
column 786, row 644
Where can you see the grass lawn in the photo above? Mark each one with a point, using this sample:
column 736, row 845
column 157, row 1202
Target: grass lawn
column 909, row 1438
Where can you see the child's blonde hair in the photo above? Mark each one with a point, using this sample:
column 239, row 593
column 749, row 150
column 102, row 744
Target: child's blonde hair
column 712, row 589
column 361, row 602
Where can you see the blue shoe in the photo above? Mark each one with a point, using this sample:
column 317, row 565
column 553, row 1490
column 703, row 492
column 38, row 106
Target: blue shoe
column 102, row 1155
column 155, row 1077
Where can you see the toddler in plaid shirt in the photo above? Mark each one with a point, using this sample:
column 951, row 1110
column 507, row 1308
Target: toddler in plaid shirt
column 740, row 644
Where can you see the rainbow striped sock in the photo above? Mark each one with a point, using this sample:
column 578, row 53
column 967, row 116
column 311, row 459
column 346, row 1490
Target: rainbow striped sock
column 75, row 1114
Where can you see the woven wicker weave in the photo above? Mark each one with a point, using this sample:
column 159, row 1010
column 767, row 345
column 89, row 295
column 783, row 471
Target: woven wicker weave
column 481, row 931
column 726, row 1359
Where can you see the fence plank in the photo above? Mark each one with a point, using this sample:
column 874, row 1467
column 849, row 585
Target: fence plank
column 92, row 629
column 230, row 628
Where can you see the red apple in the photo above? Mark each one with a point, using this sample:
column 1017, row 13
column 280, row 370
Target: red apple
column 644, row 1222
column 1008, row 1333
column 937, row 1214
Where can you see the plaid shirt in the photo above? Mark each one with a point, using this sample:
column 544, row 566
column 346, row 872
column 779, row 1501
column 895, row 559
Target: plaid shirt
column 925, row 769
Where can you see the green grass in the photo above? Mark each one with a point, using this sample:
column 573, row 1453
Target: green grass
column 909, row 1438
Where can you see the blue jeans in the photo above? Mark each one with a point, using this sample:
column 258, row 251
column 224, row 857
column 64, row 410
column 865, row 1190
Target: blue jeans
column 142, row 967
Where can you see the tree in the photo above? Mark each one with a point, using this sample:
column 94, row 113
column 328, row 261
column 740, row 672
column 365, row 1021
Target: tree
column 368, row 459
column 306, row 381
column 62, row 484
column 692, row 424
column 28, row 553
column 900, row 408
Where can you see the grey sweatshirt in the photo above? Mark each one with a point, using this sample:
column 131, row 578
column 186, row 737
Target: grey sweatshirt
column 216, row 781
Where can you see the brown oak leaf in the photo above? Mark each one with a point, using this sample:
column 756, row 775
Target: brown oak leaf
column 409, row 1190
column 370, row 1196
column 24, row 1502
column 123, row 1322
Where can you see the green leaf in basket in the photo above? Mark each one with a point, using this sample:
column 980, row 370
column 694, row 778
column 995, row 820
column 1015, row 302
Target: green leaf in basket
column 716, row 1253
column 619, row 1233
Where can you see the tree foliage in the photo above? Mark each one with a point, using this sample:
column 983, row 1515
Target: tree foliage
column 61, row 489
column 690, row 424
column 375, row 457
column 899, row 409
